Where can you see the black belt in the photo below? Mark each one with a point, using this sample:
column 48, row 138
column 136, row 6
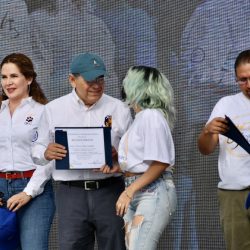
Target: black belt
column 93, row 184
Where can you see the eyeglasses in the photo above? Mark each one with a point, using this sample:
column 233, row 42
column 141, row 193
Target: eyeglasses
column 98, row 80
column 243, row 80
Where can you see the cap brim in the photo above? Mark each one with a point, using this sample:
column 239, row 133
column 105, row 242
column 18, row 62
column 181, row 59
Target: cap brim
column 92, row 75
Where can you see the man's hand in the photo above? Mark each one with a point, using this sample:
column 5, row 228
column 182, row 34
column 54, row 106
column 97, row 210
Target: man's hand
column 209, row 137
column 17, row 201
column 217, row 126
column 107, row 170
column 55, row 151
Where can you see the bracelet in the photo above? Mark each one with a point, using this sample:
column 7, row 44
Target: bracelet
column 28, row 195
column 130, row 197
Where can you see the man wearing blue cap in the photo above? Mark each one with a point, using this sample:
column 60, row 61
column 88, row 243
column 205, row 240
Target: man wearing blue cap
column 85, row 198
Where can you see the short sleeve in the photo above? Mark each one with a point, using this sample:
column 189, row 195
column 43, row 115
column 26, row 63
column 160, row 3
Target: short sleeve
column 219, row 109
column 158, row 141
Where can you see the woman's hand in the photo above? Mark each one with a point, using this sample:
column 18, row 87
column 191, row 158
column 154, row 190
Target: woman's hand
column 153, row 172
column 17, row 201
column 123, row 202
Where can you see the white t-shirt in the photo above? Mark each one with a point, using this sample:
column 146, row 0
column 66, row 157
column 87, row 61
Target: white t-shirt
column 17, row 135
column 70, row 111
column 148, row 139
column 234, row 161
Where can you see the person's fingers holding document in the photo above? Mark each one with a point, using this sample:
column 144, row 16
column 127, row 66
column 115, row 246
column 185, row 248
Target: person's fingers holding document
column 217, row 126
column 55, row 151
column 105, row 169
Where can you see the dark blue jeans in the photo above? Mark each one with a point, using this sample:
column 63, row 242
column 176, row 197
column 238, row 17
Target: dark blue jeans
column 35, row 218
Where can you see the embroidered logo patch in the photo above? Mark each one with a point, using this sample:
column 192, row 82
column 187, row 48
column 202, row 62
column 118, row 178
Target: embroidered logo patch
column 96, row 64
column 28, row 120
column 108, row 121
column 35, row 136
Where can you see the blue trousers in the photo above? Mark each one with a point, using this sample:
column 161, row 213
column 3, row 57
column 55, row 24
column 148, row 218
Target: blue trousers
column 35, row 218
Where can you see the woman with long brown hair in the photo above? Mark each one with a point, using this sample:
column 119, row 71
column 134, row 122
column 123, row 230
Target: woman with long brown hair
column 25, row 186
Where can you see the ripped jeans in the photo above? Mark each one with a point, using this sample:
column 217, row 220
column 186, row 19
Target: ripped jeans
column 149, row 213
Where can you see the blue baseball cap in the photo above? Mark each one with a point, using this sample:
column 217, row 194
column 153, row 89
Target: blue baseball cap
column 90, row 66
column 9, row 233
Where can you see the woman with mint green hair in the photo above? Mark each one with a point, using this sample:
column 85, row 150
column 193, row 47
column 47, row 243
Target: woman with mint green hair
column 146, row 157
column 146, row 87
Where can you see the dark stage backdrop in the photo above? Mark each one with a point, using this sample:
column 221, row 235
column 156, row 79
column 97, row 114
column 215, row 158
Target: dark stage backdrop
column 193, row 42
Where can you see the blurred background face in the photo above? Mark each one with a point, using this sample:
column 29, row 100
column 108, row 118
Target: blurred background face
column 79, row 3
column 14, row 83
column 89, row 92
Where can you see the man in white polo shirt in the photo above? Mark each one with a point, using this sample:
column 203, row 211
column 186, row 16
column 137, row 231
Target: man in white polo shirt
column 85, row 209
column 234, row 161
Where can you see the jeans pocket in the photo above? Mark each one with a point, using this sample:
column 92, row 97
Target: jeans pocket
column 172, row 196
column 151, row 187
column 147, row 189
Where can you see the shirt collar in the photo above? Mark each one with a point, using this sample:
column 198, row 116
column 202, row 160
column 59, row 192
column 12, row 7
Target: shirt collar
column 79, row 101
column 5, row 103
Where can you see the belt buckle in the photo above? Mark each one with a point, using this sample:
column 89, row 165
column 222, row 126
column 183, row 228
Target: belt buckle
column 86, row 183
column 7, row 174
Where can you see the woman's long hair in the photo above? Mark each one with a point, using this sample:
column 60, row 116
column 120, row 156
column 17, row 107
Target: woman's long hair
column 26, row 67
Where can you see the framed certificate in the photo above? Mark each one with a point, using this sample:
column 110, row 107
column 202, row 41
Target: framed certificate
column 87, row 147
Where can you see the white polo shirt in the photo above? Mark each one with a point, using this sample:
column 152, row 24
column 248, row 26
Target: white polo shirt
column 70, row 111
column 17, row 135
column 148, row 139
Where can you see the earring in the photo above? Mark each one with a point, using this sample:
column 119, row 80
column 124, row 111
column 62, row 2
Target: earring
column 28, row 88
column 3, row 93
